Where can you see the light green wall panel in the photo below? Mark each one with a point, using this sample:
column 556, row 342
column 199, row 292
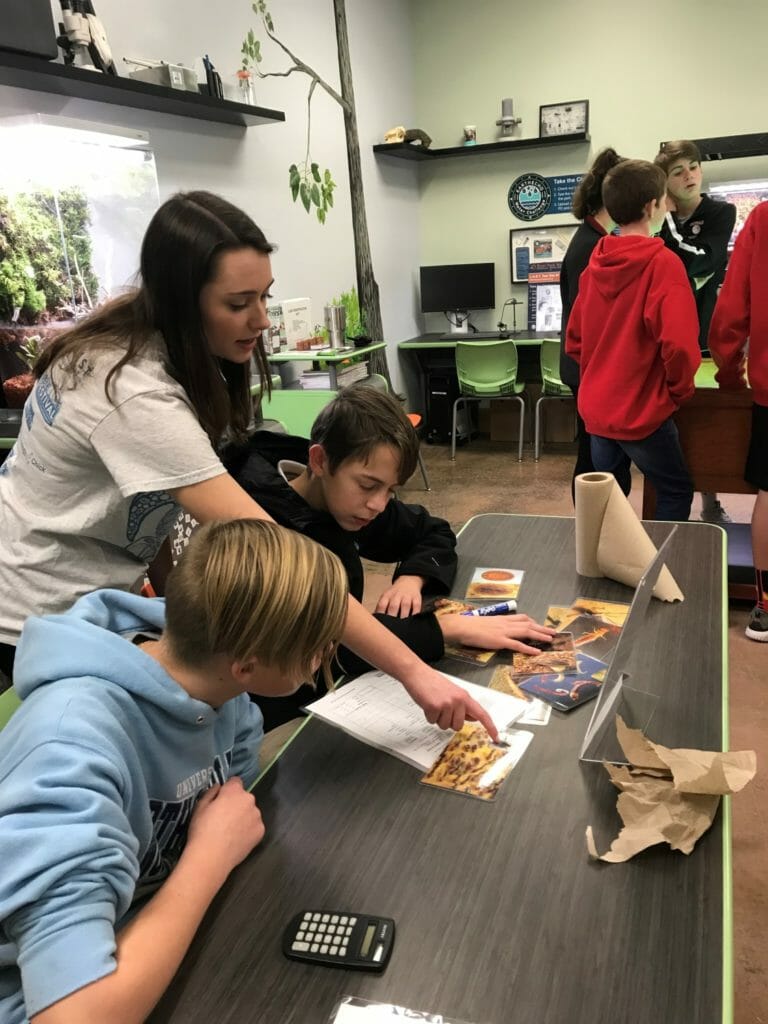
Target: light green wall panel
column 651, row 72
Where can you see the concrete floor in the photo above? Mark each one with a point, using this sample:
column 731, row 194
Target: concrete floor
column 487, row 478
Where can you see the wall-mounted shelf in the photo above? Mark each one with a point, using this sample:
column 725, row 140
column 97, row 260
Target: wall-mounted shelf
column 733, row 147
column 45, row 76
column 407, row 151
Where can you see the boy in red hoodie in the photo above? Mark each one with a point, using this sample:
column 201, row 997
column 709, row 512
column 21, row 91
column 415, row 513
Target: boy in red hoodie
column 741, row 313
column 634, row 332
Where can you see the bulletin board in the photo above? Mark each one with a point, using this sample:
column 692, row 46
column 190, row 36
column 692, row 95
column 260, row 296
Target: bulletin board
column 529, row 247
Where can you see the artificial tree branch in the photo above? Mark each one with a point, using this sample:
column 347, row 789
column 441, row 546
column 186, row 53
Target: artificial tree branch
column 301, row 66
column 312, row 85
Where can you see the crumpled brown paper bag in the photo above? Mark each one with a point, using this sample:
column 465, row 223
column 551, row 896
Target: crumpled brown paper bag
column 668, row 796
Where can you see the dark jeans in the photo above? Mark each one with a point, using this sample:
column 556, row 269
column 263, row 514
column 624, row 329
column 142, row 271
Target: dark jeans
column 660, row 458
column 584, row 462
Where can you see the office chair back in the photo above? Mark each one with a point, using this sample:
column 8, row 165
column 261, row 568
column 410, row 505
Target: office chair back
column 551, row 381
column 487, row 367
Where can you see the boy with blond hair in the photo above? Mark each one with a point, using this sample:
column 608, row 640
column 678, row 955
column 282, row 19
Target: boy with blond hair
column 124, row 773
column 634, row 332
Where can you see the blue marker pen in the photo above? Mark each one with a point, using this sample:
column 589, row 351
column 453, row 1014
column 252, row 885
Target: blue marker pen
column 502, row 608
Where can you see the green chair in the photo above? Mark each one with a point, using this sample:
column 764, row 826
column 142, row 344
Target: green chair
column 552, row 386
column 296, row 408
column 9, row 702
column 487, row 369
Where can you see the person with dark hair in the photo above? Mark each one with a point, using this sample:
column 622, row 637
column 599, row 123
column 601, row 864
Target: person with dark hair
column 633, row 331
column 741, row 319
column 337, row 487
column 122, row 431
column 595, row 224
column 697, row 228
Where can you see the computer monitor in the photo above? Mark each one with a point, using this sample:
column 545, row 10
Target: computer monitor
column 457, row 288
column 745, row 196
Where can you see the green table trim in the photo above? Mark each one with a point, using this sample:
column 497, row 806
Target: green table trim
column 727, row 823
column 421, row 345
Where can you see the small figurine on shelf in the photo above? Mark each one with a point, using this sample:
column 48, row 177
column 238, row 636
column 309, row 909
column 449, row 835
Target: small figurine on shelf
column 245, row 87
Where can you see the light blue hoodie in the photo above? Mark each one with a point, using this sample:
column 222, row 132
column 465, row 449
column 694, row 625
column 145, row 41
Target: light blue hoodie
column 100, row 769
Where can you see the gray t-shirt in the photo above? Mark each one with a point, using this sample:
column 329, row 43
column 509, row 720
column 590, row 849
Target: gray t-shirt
column 83, row 492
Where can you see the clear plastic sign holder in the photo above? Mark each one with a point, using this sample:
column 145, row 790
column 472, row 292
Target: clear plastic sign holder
column 636, row 707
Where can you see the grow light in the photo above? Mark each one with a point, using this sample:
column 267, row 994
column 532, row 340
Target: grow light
column 40, row 128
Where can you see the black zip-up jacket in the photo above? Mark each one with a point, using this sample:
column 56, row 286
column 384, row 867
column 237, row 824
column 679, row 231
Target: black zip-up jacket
column 702, row 244
column 577, row 256
column 420, row 543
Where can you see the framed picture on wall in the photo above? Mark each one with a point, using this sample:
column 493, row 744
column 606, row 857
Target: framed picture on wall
column 563, row 118
column 529, row 247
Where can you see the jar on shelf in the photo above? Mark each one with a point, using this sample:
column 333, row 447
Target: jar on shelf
column 245, row 86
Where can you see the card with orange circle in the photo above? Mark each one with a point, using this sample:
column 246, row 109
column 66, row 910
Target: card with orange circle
column 496, row 584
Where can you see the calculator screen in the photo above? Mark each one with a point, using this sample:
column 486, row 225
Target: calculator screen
column 369, row 932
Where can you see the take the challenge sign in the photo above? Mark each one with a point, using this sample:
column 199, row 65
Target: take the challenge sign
column 531, row 196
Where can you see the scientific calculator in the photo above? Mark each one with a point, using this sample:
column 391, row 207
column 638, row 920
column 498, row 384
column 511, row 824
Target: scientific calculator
column 336, row 938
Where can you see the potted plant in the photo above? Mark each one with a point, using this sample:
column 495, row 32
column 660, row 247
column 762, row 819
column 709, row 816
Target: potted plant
column 17, row 389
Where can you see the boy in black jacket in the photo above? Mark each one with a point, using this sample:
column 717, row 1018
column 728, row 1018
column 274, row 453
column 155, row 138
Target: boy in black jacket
column 338, row 489
column 697, row 228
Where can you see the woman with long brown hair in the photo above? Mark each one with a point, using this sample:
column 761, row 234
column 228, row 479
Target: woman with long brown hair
column 122, row 429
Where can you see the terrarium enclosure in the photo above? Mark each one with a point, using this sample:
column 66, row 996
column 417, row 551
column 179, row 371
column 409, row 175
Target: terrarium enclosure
column 75, row 200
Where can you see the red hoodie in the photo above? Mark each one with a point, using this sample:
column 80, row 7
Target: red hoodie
column 742, row 311
column 634, row 332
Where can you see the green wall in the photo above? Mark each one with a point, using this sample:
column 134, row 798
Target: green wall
column 651, row 72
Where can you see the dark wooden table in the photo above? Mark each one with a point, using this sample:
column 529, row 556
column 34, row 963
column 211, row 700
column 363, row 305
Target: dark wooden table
column 501, row 916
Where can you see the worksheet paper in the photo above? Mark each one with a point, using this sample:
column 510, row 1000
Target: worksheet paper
column 376, row 709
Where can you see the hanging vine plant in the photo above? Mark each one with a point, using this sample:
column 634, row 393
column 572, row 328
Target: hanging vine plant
column 306, row 181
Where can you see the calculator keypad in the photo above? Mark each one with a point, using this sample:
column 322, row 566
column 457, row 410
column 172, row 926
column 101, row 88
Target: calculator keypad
column 327, row 934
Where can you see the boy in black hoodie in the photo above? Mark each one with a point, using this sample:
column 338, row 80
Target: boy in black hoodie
column 338, row 488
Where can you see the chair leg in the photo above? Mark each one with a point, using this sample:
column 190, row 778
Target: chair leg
column 459, row 400
column 522, row 429
column 423, row 469
column 537, row 431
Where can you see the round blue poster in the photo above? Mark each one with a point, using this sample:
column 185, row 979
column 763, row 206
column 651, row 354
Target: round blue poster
column 529, row 197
